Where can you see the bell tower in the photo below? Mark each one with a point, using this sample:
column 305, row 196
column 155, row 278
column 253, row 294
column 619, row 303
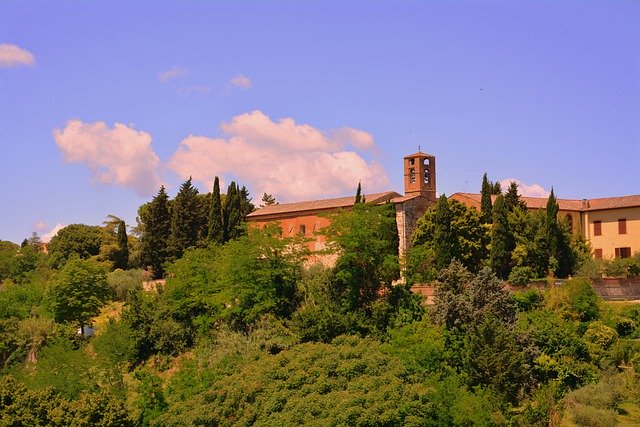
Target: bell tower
column 420, row 175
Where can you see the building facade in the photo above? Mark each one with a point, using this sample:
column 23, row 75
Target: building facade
column 307, row 217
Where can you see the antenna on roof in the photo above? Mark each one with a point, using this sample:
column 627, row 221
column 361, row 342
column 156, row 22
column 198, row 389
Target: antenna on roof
column 418, row 148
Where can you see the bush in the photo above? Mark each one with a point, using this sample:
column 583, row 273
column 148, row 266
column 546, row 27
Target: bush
column 122, row 282
column 521, row 275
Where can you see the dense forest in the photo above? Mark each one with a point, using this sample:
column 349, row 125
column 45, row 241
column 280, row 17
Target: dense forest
column 244, row 331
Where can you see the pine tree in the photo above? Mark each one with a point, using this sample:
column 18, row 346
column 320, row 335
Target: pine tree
column 246, row 207
column 442, row 236
column 502, row 240
column 512, row 199
column 359, row 194
column 216, row 228
column 184, row 219
column 122, row 256
column 485, row 200
column 268, row 200
column 156, row 229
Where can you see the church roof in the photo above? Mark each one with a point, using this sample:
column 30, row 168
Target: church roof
column 419, row 154
column 473, row 199
column 324, row 204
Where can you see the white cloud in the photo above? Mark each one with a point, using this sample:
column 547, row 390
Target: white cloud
column 530, row 190
column 14, row 56
column 116, row 156
column 292, row 161
column 172, row 73
column 46, row 237
column 356, row 138
column 241, row 81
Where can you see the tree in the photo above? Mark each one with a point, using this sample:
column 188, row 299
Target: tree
column 78, row 291
column 502, row 241
column 485, row 199
column 268, row 200
column 512, row 199
column 232, row 213
column 122, row 255
column 366, row 240
column 466, row 231
column 184, row 220
column 155, row 218
column 359, row 194
column 442, row 236
column 80, row 240
column 216, row 230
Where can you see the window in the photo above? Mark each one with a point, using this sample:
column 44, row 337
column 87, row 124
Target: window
column 412, row 162
column 597, row 253
column 622, row 226
column 303, row 230
column 623, row 252
column 597, row 228
column 412, row 175
column 426, row 176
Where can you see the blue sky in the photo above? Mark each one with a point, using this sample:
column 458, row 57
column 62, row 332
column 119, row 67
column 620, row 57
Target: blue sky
column 101, row 102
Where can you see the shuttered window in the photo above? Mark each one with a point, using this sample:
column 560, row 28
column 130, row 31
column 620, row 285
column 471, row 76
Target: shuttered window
column 597, row 228
column 597, row 254
column 622, row 226
column 623, row 252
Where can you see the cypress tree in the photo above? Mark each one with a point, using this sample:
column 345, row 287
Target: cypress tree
column 184, row 219
column 122, row 256
column 216, row 228
column 485, row 200
column 246, row 207
column 502, row 241
column 359, row 194
column 442, row 236
column 232, row 213
column 156, row 230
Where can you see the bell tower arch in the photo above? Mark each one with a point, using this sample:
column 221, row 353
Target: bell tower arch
column 420, row 175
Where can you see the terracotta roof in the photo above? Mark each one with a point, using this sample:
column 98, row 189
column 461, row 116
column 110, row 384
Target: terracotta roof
column 473, row 199
column 325, row 204
column 418, row 154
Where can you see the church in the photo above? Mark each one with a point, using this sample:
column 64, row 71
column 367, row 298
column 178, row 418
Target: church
column 611, row 225
column 305, row 218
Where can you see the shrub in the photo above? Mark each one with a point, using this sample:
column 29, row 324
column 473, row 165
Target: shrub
column 521, row 275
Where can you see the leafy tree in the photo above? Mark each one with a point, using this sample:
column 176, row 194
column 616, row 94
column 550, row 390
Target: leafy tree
column 502, row 241
column 466, row 232
column 216, row 226
column 122, row 282
column 80, row 240
column 366, row 239
column 485, row 199
column 78, row 291
column 156, row 224
column 442, row 236
column 184, row 220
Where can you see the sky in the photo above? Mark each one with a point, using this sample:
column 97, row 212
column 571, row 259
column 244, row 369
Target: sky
column 102, row 102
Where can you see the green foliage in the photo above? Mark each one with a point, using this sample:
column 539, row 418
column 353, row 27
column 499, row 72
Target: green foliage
column 465, row 242
column 528, row 300
column 185, row 220
column 78, row 291
column 79, row 240
column 502, row 240
column 115, row 345
column 485, row 200
column 367, row 242
column 582, row 299
column 155, row 218
column 521, row 275
column 216, row 226
column 359, row 194
column 599, row 338
column 122, row 282
column 121, row 259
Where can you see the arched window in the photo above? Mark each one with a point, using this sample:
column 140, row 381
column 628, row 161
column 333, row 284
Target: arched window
column 412, row 175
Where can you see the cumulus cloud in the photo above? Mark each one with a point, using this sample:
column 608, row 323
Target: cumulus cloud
column 530, row 190
column 14, row 56
column 116, row 156
column 46, row 237
column 241, row 81
column 172, row 73
column 292, row 161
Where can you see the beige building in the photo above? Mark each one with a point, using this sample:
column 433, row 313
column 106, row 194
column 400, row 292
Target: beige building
column 611, row 224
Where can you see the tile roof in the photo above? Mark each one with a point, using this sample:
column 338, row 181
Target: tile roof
column 325, row 204
column 473, row 199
